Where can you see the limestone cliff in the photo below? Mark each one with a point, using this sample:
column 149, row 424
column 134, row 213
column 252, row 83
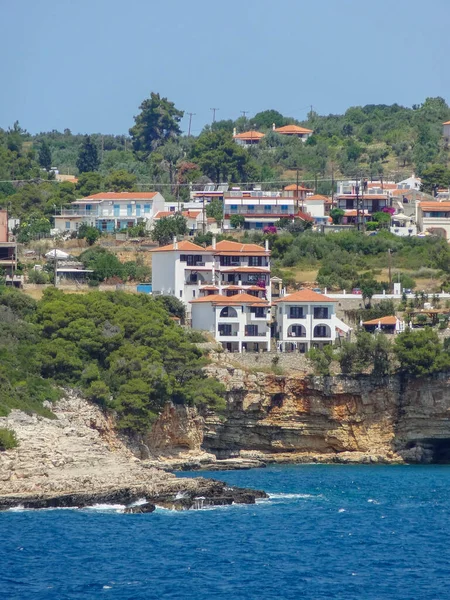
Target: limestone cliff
column 345, row 419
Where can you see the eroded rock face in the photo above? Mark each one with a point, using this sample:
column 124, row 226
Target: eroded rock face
column 178, row 428
column 335, row 419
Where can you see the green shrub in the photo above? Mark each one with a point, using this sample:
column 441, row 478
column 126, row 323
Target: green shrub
column 8, row 439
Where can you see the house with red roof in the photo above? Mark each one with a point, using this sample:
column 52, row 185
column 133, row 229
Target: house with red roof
column 190, row 272
column 446, row 131
column 240, row 323
column 111, row 211
column 305, row 320
column 294, row 131
column 247, row 138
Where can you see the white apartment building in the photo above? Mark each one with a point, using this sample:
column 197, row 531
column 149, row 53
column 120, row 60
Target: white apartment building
column 306, row 320
column 261, row 209
column 240, row 323
column 111, row 211
column 434, row 217
column 189, row 271
column 446, row 131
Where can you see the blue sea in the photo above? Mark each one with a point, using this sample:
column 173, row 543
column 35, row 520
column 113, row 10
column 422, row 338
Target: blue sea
column 337, row 532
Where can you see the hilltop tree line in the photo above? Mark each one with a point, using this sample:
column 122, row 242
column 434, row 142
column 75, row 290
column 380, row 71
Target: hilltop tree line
column 373, row 140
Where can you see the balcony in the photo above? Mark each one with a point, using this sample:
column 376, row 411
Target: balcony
column 78, row 212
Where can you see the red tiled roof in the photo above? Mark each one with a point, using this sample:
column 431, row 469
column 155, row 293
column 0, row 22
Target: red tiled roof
column 249, row 135
column 318, row 197
column 305, row 296
column 378, row 184
column 293, row 187
column 292, row 130
column 181, row 246
column 383, row 321
column 235, row 300
column 226, row 247
column 122, row 196
column 446, row 123
column 188, row 214
column 434, row 205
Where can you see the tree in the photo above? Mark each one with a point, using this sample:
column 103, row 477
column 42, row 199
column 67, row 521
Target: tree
column 103, row 263
column 337, row 215
column 167, row 228
column 157, row 122
column 45, row 156
column 420, row 352
column 89, row 183
column 88, row 233
column 322, row 359
column 267, row 118
column 120, row 181
column 87, row 160
column 221, row 159
column 237, row 221
column 215, row 210
column 434, row 177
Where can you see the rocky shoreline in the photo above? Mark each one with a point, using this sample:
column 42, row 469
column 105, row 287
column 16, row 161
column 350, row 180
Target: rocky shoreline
column 79, row 460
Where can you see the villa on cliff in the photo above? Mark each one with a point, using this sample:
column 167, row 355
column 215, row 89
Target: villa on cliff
column 306, row 320
column 189, row 272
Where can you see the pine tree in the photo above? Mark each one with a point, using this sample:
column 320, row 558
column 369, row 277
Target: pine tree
column 45, row 156
column 88, row 160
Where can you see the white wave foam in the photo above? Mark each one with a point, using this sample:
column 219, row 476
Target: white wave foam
column 290, row 496
column 115, row 507
column 139, row 502
column 341, row 510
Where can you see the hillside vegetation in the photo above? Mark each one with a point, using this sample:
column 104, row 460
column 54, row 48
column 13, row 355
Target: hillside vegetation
column 123, row 351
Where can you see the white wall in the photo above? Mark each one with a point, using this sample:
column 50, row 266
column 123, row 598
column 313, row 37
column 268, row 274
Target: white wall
column 163, row 273
column 203, row 317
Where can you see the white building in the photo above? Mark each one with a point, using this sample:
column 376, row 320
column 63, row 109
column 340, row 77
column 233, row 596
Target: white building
column 189, row 271
column 306, row 320
column 294, row 131
column 111, row 211
column 240, row 322
column 434, row 217
column 261, row 209
column 446, row 131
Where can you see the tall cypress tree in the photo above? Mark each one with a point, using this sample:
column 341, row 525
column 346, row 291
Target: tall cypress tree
column 45, row 155
column 88, row 160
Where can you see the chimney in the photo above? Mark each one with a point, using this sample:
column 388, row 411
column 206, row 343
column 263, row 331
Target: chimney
column 214, row 239
column 234, row 131
column 273, row 126
column 267, row 245
column 175, row 243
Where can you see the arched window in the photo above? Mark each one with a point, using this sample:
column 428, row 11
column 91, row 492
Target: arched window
column 228, row 311
column 322, row 331
column 296, row 331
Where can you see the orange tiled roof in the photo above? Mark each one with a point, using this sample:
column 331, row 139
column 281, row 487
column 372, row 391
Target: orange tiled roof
column 192, row 214
column 233, row 248
column 434, row 205
column 236, row 300
column 318, row 197
column 305, row 296
column 402, row 192
column 446, row 123
column 181, row 246
column 249, row 135
column 378, row 184
column 122, row 196
column 292, row 130
column 354, row 213
column 383, row 321
column 293, row 187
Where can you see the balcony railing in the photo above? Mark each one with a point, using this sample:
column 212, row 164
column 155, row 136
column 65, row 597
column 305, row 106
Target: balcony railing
column 70, row 212
column 228, row 334
column 257, row 334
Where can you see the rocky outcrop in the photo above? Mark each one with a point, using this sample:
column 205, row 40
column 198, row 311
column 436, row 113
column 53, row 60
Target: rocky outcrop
column 78, row 459
column 334, row 419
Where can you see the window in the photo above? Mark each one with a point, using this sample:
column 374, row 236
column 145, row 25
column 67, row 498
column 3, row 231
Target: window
column 227, row 261
column 251, row 330
column 250, row 208
column 258, row 311
column 259, row 225
column 320, row 312
column 225, row 329
column 256, row 261
column 138, row 210
column 267, row 208
column 181, row 293
column 297, row 331
column 67, row 224
column 284, row 208
column 228, row 311
column 233, row 208
column 296, row 312
column 116, row 210
column 129, row 210
column 193, row 293
column 146, row 208
column 322, row 331
column 183, row 257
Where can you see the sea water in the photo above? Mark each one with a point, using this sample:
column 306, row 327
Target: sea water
column 336, row 532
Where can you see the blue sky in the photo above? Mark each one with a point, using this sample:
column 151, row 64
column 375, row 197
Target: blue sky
column 88, row 64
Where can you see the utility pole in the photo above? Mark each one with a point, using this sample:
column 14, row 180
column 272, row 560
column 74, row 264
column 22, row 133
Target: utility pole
column 390, row 269
column 203, row 217
column 214, row 113
column 358, row 222
column 332, row 185
column 244, row 113
column 190, row 121
column 55, row 267
column 103, row 147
